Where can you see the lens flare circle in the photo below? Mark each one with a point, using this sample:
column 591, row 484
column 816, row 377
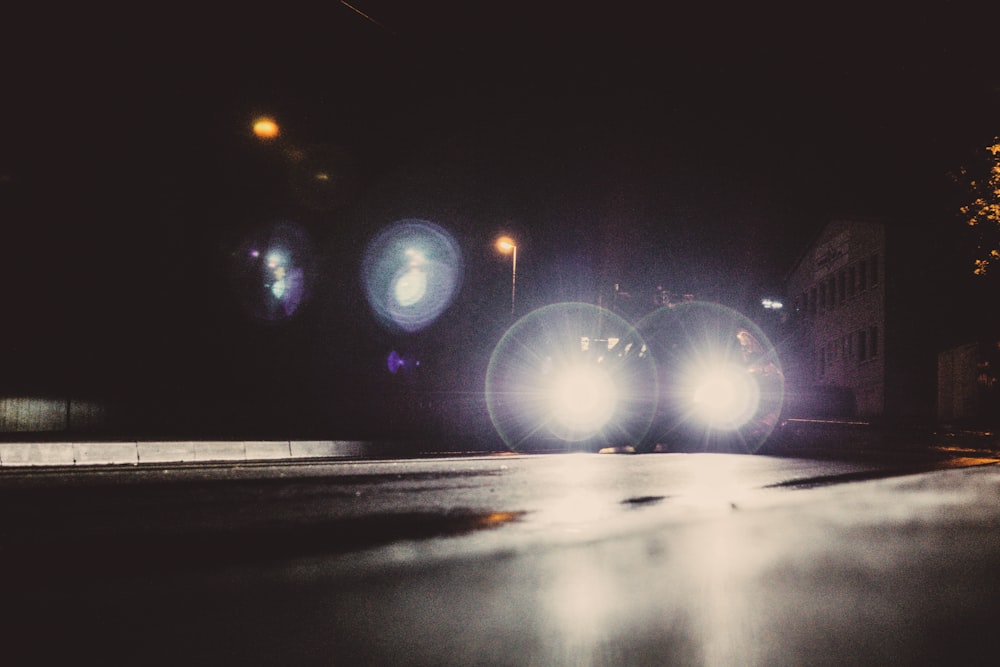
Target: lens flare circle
column 722, row 386
column 273, row 271
column 570, row 376
column 411, row 273
column 411, row 287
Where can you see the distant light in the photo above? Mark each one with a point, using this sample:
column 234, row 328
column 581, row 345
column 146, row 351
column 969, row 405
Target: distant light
column 323, row 177
column 772, row 304
column 266, row 128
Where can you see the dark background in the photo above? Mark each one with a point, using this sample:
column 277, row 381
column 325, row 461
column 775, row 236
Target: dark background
column 700, row 150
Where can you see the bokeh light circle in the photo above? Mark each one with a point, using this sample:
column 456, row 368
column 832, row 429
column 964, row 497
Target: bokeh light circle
column 722, row 387
column 570, row 376
column 411, row 272
column 274, row 271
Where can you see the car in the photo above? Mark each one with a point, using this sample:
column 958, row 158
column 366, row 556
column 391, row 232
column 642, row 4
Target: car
column 690, row 376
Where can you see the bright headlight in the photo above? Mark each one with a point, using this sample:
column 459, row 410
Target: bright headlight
column 723, row 397
column 582, row 399
column 571, row 373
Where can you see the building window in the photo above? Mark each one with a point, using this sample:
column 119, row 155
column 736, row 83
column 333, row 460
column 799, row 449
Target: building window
column 831, row 292
column 850, row 282
column 822, row 297
column 985, row 377
column 862, row 276
column 874, row 270
column 841, row 286
column 873, row 342
column 862, row 345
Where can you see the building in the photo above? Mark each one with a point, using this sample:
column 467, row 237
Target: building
column 969, row 384
column 856, row 348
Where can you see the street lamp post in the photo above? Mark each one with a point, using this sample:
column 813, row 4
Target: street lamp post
column 505, row 244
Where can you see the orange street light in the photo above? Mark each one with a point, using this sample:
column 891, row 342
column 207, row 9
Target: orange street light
column 505, row 244
column 266, row 129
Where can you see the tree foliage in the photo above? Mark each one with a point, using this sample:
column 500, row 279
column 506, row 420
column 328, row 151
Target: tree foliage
column 982, row 214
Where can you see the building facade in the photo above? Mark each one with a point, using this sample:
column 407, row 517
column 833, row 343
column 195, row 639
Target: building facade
column 863, row 327
column 968, row 391
column 838, row 294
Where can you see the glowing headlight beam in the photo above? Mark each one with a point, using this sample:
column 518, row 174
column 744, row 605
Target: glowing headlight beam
column 722, row 397
column 721, row 382
column 582, row 399
column 546, row 386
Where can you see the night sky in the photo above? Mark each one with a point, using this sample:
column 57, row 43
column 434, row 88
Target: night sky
column 700, row 150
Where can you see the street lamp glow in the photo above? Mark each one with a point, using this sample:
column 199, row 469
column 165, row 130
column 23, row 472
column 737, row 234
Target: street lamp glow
column 266, row 128
column 505, row 244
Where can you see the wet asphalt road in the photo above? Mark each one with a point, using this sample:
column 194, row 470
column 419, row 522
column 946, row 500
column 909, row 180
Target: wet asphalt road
column 704, row 559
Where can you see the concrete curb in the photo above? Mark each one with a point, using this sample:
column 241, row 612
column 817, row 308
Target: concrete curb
column 25, row 454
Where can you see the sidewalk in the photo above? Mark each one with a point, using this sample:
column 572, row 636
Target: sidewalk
column 799, row 434
column 24, row 454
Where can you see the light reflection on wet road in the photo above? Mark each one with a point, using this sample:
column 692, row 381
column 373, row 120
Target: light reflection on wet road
column 564, row 559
